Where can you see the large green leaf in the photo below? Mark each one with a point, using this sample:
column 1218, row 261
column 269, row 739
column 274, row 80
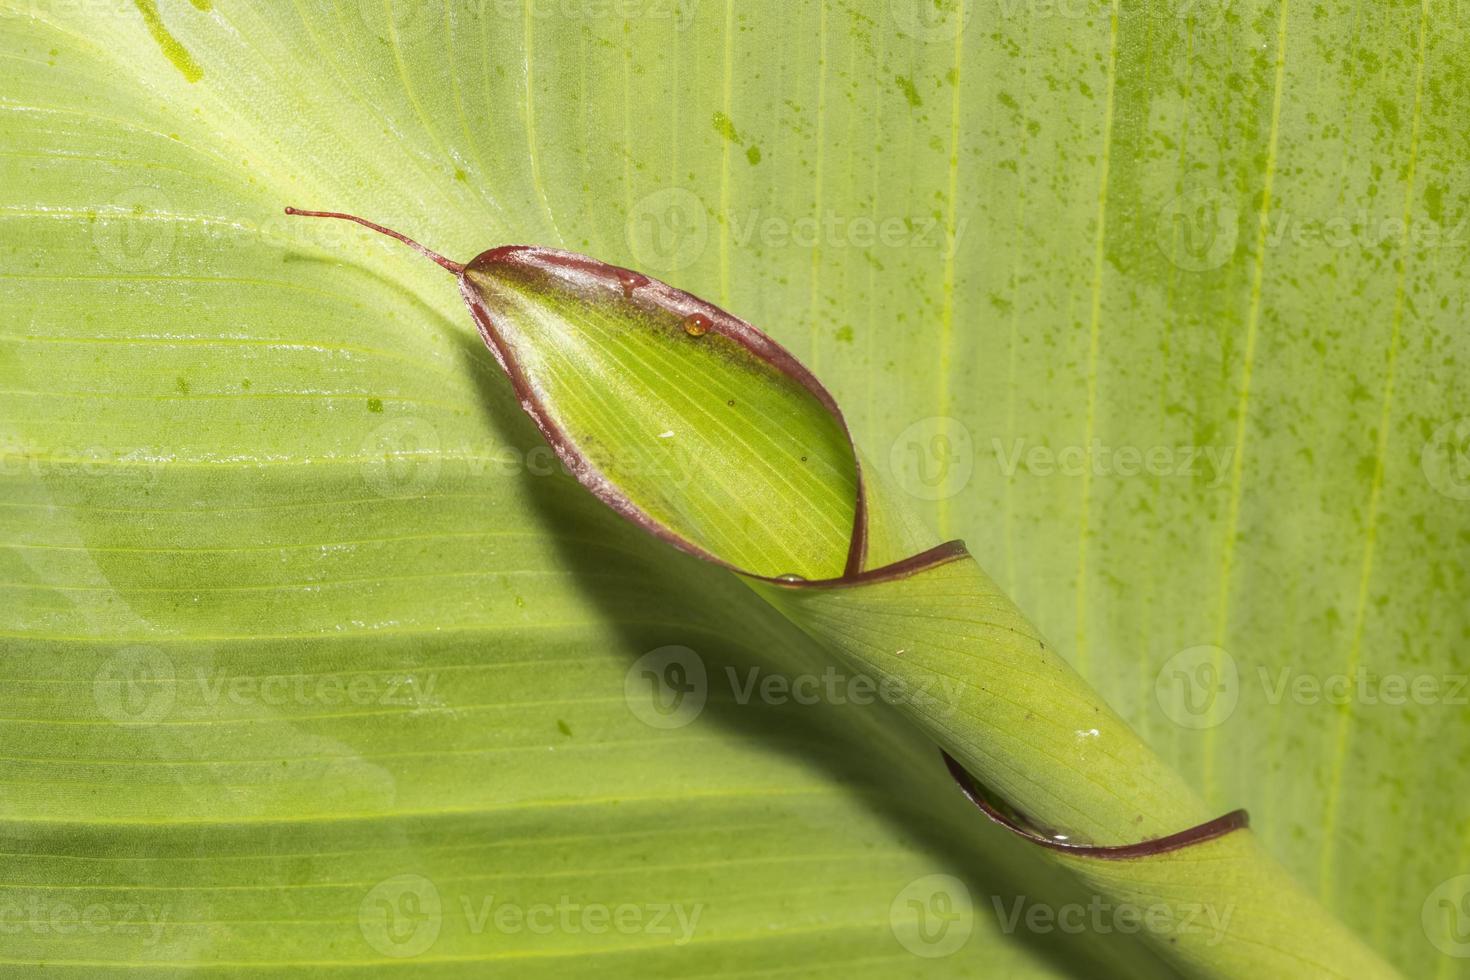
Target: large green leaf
column 240, row 449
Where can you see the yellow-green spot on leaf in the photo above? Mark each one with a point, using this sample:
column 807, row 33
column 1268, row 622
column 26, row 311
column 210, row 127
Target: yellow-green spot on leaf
column 563, row 727
column 182, row 384
column 726, row 127
column 1434, row 201
column 753, row 155
column 460, row 175
column 844, row 335
column 172, row 49
column 910, row 91
column 375, row 405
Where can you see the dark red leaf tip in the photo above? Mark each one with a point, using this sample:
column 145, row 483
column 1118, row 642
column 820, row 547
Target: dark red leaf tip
column 454, row 267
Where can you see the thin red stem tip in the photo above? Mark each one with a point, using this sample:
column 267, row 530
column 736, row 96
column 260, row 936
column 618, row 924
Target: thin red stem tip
column 455, row 267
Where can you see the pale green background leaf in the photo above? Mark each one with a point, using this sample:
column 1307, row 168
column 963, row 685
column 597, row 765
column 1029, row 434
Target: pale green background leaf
column 240, row 446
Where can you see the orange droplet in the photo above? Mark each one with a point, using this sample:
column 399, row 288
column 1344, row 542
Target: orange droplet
column 630, row 281
column 696, row 324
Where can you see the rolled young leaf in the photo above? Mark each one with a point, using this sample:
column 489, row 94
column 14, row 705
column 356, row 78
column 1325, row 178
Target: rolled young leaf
column 705, row 432
column 731, row 449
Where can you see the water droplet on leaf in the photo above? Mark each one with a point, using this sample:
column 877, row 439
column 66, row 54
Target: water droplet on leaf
column 630, row 281
column 696, row 324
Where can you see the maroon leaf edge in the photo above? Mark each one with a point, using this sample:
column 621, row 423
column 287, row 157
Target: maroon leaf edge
column 1198, row 834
